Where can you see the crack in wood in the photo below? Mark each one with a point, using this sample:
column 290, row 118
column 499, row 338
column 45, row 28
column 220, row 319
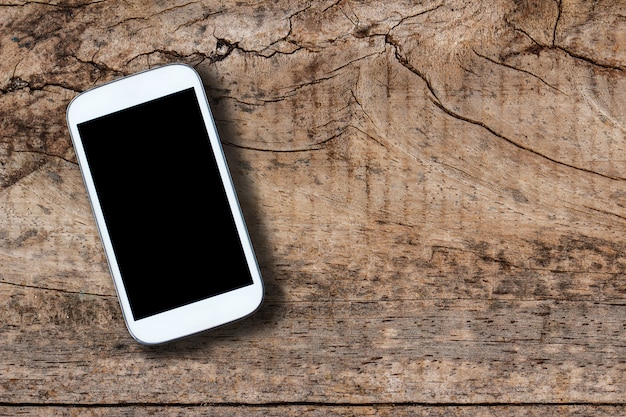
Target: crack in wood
column 436, row 100
column 47, row 154
column 514, row 68
column 555, row 46
column 51, row 289
column 16, row 84
column 323, row 405
column 58, row 6
column 559, row 4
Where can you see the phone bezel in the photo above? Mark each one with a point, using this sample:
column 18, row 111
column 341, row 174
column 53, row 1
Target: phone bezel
column 201, row 315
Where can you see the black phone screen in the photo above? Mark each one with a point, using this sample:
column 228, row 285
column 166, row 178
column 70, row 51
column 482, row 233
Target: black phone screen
column 164, row 204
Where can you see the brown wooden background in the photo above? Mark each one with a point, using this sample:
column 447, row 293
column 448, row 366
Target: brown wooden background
column 435, row 189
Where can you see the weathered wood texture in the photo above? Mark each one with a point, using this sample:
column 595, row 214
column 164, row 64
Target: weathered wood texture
column 318, row 411
column 436, row 192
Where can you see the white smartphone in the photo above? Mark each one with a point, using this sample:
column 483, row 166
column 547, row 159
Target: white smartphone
column 165, row 205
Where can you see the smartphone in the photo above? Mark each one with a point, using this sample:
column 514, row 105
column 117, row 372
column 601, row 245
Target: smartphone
column 164, row 203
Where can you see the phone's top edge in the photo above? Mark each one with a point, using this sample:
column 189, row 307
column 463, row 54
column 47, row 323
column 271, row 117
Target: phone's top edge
column 126, row 77
column 134, row 74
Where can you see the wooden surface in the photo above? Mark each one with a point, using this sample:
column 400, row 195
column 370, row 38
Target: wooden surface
column 436, row 192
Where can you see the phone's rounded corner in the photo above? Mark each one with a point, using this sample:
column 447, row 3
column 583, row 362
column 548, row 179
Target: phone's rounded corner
column 143, row 342
column 257, row 308
column 69, row 110
column 181, row 66
column 258, row 301
column 261, row 297
column 143, row 339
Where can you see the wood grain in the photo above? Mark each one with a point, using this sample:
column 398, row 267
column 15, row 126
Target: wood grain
column 321, row 410
column 435, row 191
